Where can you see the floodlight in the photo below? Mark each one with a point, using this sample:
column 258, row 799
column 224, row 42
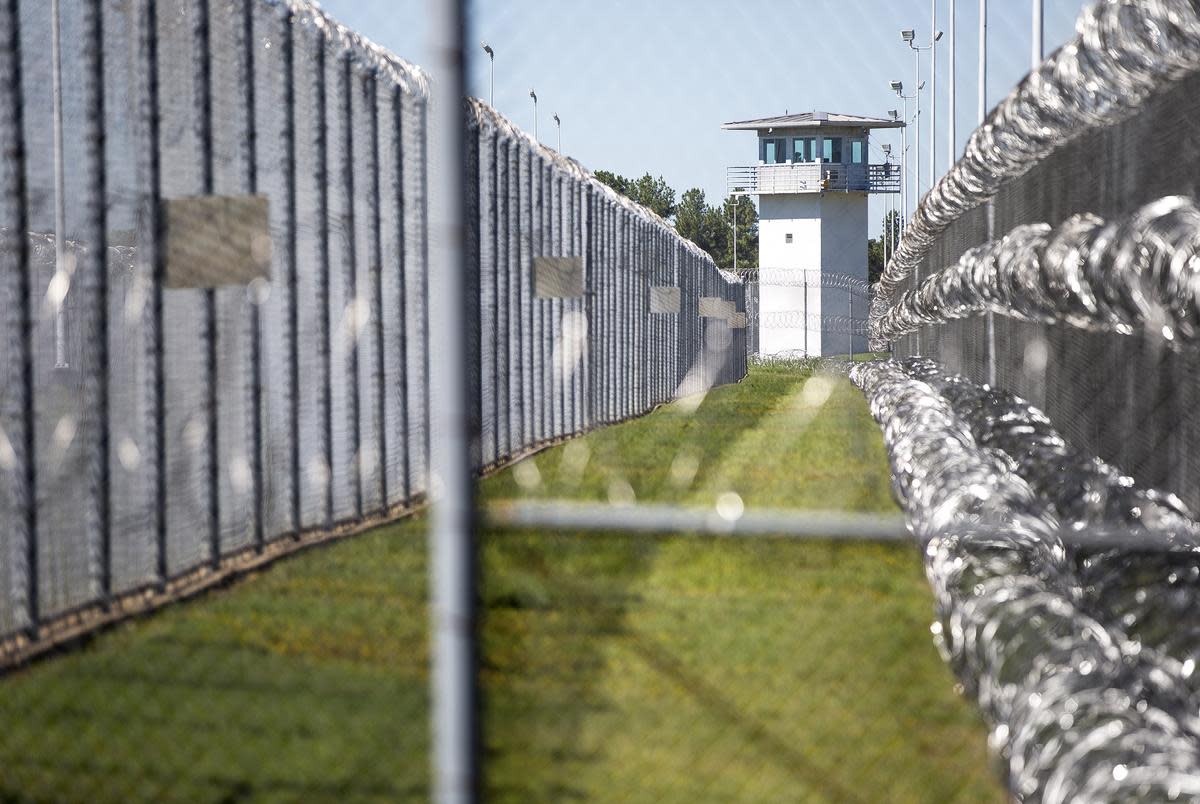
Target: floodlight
column 938, row 38
column 908, row 35
column 897, row 86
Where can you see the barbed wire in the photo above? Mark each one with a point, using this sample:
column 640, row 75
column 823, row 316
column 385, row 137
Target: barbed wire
column 1085, row 687
column 1137, row 273
column 1122, row 52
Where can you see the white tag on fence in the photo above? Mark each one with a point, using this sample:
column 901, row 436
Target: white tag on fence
column 665, row 300
column 216, row 240
column 558, row 277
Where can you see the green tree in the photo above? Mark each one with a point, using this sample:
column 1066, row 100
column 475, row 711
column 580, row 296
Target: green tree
column 654, row 194
column 711, row 228
column 618, row 183
column 890, row 234
column 689, row 216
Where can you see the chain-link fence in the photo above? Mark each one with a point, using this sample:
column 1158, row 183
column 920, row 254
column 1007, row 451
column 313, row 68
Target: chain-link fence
column 1047, row 284
column 807, row 312
column 189, row 389
column 227, row 311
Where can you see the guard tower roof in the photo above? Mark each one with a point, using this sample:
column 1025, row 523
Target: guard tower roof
column 812, row 120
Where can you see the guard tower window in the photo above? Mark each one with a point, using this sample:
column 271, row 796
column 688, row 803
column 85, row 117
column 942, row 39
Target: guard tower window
column 787, row 238
column 858, row 152
column 774, row 151
column 831, row 149
column 804, row 149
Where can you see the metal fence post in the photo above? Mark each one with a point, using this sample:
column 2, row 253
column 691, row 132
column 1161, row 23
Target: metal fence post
column 452, row 528
column 150, row 250
column 850, row 297
column 20, row 482
column 94, row 271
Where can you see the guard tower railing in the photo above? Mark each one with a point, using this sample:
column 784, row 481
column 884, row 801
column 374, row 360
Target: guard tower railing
column 812, row 177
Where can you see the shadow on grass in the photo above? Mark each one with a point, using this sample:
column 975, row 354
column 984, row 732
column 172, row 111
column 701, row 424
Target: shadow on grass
column 552, row 622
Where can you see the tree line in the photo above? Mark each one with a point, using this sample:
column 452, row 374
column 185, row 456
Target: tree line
column 709, row 227
column 891, row 229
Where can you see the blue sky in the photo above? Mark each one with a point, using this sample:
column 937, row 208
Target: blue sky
column 644, row 86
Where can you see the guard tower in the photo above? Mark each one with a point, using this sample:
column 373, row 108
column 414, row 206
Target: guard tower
column 812, row 179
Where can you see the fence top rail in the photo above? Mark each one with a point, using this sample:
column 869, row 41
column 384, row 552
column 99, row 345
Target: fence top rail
column 722, row 520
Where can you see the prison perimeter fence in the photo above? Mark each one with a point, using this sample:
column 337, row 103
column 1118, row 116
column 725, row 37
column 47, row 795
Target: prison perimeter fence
column 215, row 333
column 1045, row 298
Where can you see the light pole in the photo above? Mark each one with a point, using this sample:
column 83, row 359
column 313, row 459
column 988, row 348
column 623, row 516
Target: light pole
column 895, row 115
column 887, row 205
column 492, row 65
column 909, row 37
column 558, row 125
column 951, row 151
column 737, row 200
column 533, row 95
column 898, row 87
column 982, row 61
column 933, row 93
column 1036, row 38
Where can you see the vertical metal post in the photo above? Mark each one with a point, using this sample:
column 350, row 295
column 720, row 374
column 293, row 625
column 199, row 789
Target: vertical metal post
column 1036, row 38
column 17, row 420
column 202, row 131
column 850, row 297
column 932, row 93
column 917, row 140
column 887, row 219
column 904, row 166
column 250, row 185
column 990, row 320
column 95, row 293
column 151, row 255
column 60, row 190
column 452, row 527
column 951, row 131
column 805, row 313
column 982, row 61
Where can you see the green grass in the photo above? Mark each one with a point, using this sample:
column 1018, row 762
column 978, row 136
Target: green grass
column 616, row 667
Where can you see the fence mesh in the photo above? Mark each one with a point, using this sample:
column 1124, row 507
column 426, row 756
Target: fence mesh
column 211, row 420
column 1059, row 269
column 162, row 433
